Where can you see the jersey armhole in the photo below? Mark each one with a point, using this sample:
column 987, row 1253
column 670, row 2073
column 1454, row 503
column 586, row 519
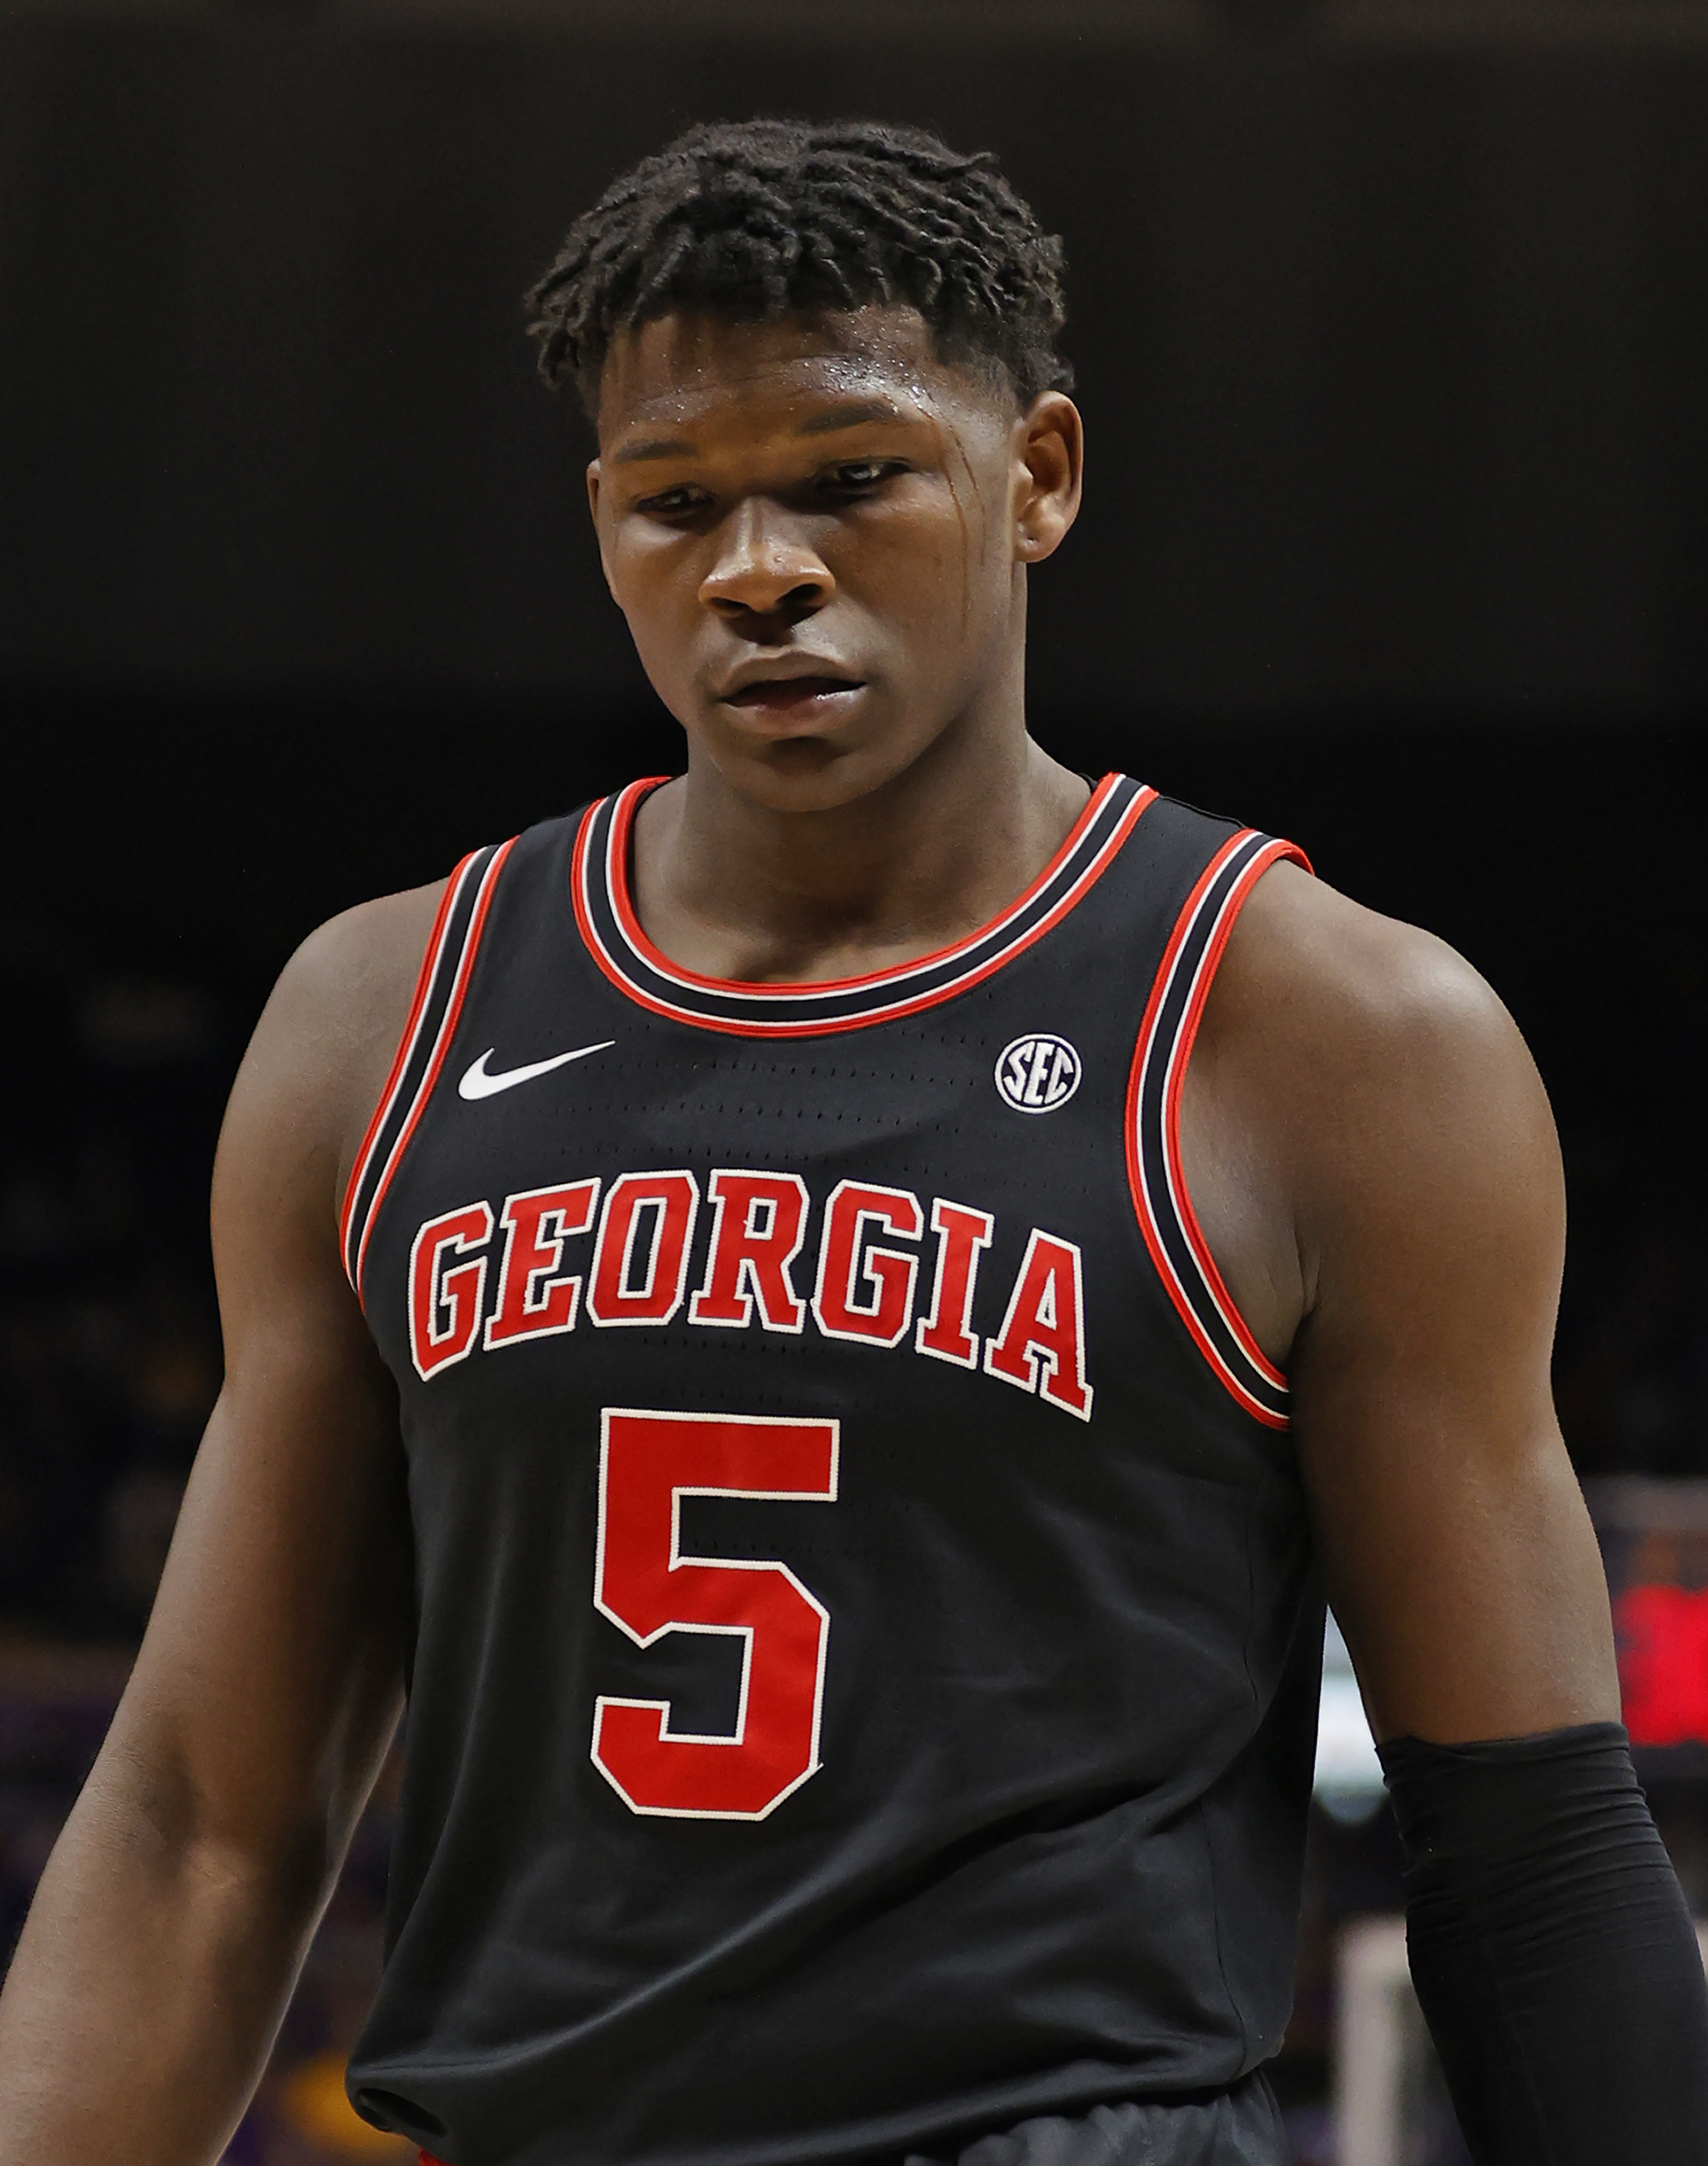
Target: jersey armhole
column 440, row 985
column 1170, row 1225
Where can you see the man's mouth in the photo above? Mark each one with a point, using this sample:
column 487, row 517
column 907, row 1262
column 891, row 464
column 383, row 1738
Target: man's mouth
column 774, row 694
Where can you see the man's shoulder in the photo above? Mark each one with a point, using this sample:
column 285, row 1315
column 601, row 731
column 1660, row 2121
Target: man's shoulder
column 321, row 1051
column 363, row 954
column 1308, row 964
column 1378, row 1060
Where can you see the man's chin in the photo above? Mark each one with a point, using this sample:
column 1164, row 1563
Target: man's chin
column 805, row 774
column 821, row 770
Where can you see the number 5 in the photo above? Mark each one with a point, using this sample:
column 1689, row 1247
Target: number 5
column 648, row 1462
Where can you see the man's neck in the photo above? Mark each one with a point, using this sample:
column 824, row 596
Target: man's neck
column 737, row 889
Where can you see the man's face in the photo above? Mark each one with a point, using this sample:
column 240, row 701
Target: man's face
column 817, row 532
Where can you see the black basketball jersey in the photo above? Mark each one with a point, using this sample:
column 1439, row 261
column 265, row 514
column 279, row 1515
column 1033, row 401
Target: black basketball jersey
column 864, row 1681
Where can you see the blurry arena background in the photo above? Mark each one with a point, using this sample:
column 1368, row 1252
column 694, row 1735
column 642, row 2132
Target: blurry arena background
column 1391, row 323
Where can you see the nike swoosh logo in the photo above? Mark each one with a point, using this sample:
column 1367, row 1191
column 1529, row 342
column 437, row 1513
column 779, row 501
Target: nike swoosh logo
column 476, row 1083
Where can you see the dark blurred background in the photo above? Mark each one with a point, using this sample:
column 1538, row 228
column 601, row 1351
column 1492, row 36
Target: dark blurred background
column 1391, row 326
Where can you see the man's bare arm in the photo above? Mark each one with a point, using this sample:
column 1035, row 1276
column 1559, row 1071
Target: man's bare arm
column 1382, row 1185
column 176, row 1908
column 1391, row 1205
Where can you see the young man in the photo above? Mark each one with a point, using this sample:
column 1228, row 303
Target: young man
column 826, row 1332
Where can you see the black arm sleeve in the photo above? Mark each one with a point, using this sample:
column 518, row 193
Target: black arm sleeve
column 1552, row 1950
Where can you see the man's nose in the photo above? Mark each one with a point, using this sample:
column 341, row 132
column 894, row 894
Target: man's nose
column 766, row 565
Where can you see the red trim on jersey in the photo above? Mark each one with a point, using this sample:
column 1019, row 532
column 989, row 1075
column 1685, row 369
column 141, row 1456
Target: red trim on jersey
column 578, row 876
column 622, row 825
column 1275, row 855
column 424, row 979
column 615, row 872
column 447, row 1028
column 1173, row 1173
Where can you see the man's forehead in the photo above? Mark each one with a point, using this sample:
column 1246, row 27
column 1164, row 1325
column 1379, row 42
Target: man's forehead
column 814, row 374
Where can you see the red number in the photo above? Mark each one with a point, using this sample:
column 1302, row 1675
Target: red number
column 644, row 1584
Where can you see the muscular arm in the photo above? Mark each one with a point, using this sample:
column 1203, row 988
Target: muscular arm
column 1372, row 1154
column 1380, row 1166
column 178, row 1903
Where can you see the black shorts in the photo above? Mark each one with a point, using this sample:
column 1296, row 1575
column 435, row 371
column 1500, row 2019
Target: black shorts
column 1237, row 2127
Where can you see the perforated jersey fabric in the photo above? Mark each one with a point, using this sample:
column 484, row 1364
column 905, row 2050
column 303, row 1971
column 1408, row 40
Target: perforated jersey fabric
column 864, row 1683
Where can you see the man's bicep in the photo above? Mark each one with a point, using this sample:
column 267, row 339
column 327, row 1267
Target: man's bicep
column 1458, row 1552
column 268, row 1679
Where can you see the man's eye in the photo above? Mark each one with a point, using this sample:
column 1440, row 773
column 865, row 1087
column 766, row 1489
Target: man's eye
column 672, row 502
column 857, row 474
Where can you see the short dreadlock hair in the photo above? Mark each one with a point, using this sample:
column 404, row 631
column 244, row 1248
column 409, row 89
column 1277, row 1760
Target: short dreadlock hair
column 756, row 219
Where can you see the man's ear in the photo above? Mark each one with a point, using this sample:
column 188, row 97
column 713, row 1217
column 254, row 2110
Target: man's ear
column 593, row 479
column 1048, row 471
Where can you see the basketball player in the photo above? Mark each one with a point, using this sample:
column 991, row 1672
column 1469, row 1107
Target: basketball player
column 824, row 1316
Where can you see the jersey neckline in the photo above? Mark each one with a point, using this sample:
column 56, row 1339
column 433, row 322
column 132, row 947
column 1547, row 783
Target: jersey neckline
column 613, row 936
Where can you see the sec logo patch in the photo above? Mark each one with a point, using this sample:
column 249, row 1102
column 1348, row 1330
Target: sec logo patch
column 1038, row 1073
